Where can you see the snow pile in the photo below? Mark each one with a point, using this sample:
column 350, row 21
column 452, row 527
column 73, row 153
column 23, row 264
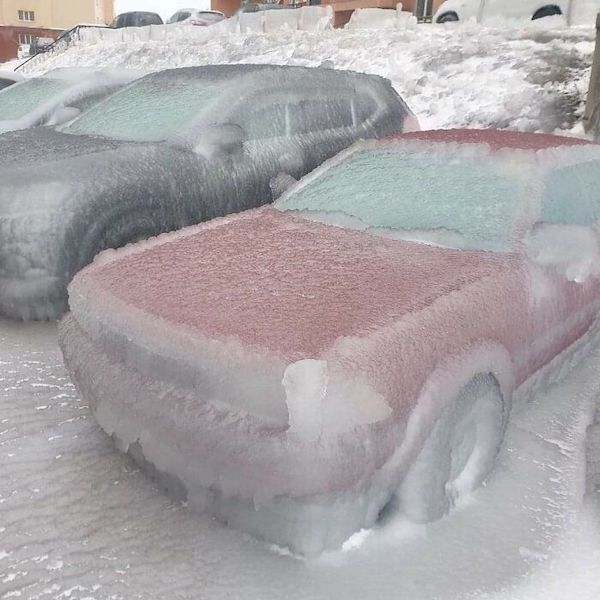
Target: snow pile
column 529, row 78
column 381, row 18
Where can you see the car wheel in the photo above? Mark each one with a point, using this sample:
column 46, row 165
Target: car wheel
column 546, row 11
column 448, row 17
column 458, row 454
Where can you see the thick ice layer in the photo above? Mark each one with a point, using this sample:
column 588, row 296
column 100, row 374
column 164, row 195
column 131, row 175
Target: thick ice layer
column 307, row 364
column 175, row 148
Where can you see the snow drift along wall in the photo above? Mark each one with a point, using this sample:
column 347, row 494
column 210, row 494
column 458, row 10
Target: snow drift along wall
column 307, row 18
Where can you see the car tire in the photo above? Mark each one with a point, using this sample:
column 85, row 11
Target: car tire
column 449, row 17
column 458, row 454
column 546, row 11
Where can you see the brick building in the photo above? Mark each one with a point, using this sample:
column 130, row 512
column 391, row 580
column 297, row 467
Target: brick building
column 22, row 20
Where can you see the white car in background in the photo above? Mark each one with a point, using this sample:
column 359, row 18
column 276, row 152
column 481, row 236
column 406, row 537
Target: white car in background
column 23, row 51
column 193, row 16
column 462, row 10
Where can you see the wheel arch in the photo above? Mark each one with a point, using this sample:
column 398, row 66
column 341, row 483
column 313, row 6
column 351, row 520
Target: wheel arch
column 446, row 381
column 103, row 225
column 446, row 13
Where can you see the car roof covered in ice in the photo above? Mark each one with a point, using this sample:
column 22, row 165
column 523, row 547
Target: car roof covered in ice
column 227, row 73
column 496, row 139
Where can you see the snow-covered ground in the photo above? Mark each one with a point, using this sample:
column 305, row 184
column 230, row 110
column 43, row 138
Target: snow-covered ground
column 532, row 78
column 78, row 520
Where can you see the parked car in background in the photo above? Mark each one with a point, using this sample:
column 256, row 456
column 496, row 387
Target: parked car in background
column 24, row 51
column 175, row 148
column 252, row 7
column 39, row 45
column 136, row 19
column 192, row 16
column 461, row 10
column 299, row 369
column 8, row 78
column 58, row 96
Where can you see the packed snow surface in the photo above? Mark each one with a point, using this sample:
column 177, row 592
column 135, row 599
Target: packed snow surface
column 343, row 367
column 79, row 520
column 532, row 76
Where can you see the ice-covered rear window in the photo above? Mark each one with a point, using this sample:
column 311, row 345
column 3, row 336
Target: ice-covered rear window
column 150, row 110
column 448, row 200
column 19, row 99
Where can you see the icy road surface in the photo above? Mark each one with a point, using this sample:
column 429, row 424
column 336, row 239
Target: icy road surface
column 78, row 520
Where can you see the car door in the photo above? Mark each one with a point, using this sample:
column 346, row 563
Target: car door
column 324, row 125
column 270, row 148
column 564, row 256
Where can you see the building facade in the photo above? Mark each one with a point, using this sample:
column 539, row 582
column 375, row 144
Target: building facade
column 342, row 9
column 23, row 20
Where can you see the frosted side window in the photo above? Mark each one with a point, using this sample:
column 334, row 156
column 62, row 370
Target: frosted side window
column 364, row 108
column 263, row 121
column 311, row 116
column 572, row 195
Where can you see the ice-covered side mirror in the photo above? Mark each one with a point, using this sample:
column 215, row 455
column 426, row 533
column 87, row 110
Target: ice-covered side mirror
column 280, row 184
column 220, row 140
column 63, row 115
column 570, row 249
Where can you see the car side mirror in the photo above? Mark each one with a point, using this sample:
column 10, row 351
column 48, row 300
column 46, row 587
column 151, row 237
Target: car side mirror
column 226, row 139
column 572, row 250
column 63, row 115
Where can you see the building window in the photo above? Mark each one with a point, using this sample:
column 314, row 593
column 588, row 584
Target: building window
column 26, row 15
column 25, row 38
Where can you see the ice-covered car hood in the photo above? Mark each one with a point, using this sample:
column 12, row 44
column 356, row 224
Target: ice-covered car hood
column 279, row 282
column 45, row 145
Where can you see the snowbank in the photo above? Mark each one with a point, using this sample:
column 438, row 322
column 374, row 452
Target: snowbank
column 530, row 78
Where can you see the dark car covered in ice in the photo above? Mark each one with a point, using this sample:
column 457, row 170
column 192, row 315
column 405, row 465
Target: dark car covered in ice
column 172, row 149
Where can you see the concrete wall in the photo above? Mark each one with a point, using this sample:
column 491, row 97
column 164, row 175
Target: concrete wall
column 56, row 14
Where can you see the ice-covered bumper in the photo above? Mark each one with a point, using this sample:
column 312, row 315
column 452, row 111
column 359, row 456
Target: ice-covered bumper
column 308, row 494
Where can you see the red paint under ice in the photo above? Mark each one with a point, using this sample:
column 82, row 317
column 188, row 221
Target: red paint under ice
column 495, row 138
column 286, row 284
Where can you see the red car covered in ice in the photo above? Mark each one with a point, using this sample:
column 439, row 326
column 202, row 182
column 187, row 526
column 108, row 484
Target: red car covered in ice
column 297, row 368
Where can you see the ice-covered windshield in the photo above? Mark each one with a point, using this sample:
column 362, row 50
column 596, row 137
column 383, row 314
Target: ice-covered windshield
column 19, row 99
column 150, row 110
column 444, row 200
